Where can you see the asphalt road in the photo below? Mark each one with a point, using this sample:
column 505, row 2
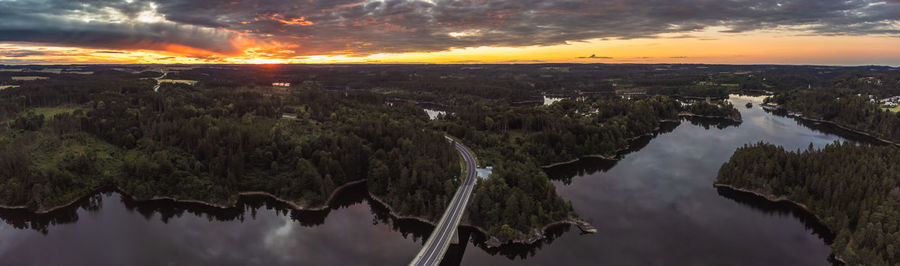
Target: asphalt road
column 437, row 243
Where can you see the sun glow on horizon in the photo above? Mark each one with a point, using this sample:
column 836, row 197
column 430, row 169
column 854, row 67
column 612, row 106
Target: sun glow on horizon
column 709, row 46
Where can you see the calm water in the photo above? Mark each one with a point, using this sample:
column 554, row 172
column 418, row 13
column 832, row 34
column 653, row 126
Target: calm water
column 656, row 206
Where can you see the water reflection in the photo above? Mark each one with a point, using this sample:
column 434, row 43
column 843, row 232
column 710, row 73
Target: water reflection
column 434, row 114
column 707, row 123
column 779, row 208
column 165, row 210
column 26, row 219
column 551, row 100
column 258, row 230
column 250, row 209
column 831, row 129
column 655, row 206
column 522, row 251
column 591, row 165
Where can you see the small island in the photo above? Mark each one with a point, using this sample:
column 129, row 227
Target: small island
column 708, row 109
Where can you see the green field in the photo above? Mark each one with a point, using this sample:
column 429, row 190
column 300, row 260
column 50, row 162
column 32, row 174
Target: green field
column 28, row 78
column 49, row 112
column 79, row 72
column 182, row 81
column 710, row 83
column 895, row 109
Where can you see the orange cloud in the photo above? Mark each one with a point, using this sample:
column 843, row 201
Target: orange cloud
column 182, row 50
column 292, row 21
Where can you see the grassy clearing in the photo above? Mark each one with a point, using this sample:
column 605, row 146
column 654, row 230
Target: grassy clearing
column 28, row 78
column 182, row 81
column 126, row 70
column 710, row 83
column 79, row 72
column 893, row 110
column 49, row 112
column 51, row 152
column 48, row 70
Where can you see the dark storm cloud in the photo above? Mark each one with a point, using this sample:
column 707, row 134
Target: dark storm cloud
column 363, row 27
column 101, row 24
column 20, row 53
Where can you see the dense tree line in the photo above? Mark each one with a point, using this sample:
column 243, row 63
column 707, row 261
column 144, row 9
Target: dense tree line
column 722, row 109
column 852, row 188
column 566, row 130
column 209, row 143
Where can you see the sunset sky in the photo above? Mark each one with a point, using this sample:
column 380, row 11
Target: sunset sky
column 827, row 32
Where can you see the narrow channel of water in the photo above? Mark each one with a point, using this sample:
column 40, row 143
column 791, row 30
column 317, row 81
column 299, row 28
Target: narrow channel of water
column 656, row 206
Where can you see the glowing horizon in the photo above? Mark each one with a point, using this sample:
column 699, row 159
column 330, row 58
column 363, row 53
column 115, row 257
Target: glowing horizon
column 807, row 32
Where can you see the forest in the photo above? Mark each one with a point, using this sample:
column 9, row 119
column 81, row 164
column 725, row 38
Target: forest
column 719, row 109
column 853, row 189
column 232, row 132
column 209, row 143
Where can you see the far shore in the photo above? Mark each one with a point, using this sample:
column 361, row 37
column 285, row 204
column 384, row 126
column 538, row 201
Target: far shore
column 849, row 129
column 688, row 114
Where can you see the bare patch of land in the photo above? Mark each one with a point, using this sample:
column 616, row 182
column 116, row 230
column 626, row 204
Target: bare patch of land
column 28, row 78
column 182, row 81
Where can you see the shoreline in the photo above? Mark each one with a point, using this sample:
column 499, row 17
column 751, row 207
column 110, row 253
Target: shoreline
column 71, row 203
column 847, row 128
column 732, row 119
column 291, row 204
column 782, row 199
column 614, row 157
column 530, row 240
column 601, row 156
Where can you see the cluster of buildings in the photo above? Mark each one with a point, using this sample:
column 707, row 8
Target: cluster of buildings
column 281, row 84
column 770, row 106
column 890, row 101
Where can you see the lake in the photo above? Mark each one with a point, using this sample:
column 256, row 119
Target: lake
column 655, row 206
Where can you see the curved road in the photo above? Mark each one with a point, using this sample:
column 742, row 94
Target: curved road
column 158, row 84
column 439, row 241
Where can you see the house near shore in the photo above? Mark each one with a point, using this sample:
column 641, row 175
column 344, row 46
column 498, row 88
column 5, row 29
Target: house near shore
column 770, row 106
column 893, row 101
